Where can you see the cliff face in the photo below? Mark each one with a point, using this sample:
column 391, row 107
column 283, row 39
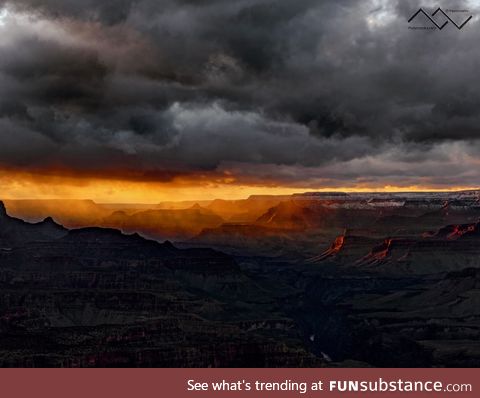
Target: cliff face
column 439, row 316
column 451, row 248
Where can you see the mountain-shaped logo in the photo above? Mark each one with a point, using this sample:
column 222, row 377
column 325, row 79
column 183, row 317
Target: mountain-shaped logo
column 432, row 18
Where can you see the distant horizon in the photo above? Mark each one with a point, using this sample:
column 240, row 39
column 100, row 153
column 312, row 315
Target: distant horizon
column 299, row 192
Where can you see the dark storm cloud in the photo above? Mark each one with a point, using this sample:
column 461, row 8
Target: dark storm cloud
column 199, row 85
column 107, row 11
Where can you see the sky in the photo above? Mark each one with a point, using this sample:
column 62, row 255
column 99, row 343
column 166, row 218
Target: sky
column 148, row 100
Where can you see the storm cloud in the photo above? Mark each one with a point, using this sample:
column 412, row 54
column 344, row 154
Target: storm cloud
column 318, row 93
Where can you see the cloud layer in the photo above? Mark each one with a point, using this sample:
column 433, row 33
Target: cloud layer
column 306, row 93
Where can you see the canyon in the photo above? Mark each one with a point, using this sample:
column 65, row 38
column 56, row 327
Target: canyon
column 314, row 279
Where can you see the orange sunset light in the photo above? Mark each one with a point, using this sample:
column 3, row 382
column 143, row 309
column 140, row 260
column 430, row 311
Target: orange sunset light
column 19, row 185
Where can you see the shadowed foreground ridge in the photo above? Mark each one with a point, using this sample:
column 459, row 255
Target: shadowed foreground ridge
column 97, row 297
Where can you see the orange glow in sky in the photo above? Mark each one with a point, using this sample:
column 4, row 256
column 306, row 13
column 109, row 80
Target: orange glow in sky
column 20, row 185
